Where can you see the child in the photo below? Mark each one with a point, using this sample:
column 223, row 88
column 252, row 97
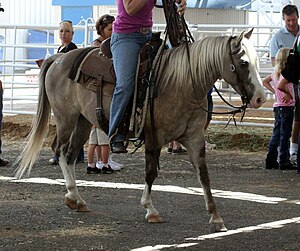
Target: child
column 98, row 140
column 284, row 114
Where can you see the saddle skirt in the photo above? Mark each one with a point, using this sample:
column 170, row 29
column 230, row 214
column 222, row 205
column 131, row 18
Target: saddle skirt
column 91, row 69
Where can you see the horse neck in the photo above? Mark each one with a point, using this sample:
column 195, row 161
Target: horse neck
column 195, row 73
column 207, row 55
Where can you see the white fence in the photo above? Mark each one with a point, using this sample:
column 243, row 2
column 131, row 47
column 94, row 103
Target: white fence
column 20, row 75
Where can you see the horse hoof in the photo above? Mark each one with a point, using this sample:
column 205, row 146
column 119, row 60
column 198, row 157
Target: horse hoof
column 72, row 204
column 82, row 208
column 219, row 227
column 154, row 218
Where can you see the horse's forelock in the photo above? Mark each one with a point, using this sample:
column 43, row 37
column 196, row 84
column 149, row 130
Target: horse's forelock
column 251, row 54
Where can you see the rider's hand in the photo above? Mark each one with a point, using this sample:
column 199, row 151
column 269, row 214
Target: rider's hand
column 182, row 6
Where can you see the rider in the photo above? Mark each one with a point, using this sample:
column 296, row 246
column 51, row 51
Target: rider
column 131, row 30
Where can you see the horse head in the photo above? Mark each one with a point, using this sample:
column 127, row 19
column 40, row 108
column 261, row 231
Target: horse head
column 241, row 70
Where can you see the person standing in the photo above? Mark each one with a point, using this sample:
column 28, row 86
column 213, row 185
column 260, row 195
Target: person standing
column 283, row 113
column 175, row 148
column 285, row 37
column 210, row 107
column 98, row 140
column 132, row 29
column 66, row 33
column 2, row 161
column 291, row 73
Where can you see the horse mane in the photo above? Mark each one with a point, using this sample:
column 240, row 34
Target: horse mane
column 205, row 64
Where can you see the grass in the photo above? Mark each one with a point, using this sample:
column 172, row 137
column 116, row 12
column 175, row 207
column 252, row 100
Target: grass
column 252, row 139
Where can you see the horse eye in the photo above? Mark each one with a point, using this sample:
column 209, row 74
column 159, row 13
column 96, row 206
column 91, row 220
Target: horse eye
column 244, row 64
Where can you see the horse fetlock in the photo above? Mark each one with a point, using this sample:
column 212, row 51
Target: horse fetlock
column 146, row 203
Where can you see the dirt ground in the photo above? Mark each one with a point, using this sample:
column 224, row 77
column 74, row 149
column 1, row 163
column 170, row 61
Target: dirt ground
column 17, row 127
column 33, row 217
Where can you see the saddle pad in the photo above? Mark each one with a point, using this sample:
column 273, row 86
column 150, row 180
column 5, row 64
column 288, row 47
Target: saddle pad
column 78, row 61
column 97, row 66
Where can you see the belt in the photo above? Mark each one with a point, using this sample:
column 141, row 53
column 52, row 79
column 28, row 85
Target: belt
column 145, row 30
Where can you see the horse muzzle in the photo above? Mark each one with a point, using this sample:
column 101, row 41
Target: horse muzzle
column 257, row 100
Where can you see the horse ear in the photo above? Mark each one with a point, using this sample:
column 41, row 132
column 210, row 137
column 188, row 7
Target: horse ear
column 241, row 36
column 249, row 33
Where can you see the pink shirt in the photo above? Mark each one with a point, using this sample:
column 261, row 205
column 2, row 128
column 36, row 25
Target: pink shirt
column 128, row 24
column 279, row 94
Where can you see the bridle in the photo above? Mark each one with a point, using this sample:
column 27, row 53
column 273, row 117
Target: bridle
column 178, row 33
column 232, row 68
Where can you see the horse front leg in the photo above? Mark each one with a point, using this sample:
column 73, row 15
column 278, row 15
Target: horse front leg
column 199, row 163
column 152, row 215
column 72, row 198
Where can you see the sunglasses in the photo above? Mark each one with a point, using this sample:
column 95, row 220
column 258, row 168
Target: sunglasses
column 108, row 19
column 66, row 21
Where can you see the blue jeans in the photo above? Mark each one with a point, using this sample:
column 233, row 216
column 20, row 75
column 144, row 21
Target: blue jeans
column 298, row 151
column 282, row 131
column 125, row 49
column 80, row 156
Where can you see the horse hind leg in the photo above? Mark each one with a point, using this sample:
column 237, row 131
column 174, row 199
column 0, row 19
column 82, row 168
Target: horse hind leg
column 66, row 140
column 152, row 215
column 72, row 198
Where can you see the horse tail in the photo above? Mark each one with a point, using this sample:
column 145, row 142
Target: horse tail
column 39, row 127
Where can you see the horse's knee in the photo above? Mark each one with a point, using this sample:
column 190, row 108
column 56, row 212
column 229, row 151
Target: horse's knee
column 70, row 158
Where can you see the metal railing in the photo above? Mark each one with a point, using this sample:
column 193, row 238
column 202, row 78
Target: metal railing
column 20, row 74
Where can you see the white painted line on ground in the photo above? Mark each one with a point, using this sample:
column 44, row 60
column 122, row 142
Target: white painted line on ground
column 264, row 226
column 171, row 189
column 176, row 189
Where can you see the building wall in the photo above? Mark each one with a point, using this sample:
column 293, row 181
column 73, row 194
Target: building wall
column 27, row 12
column 207, row 16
